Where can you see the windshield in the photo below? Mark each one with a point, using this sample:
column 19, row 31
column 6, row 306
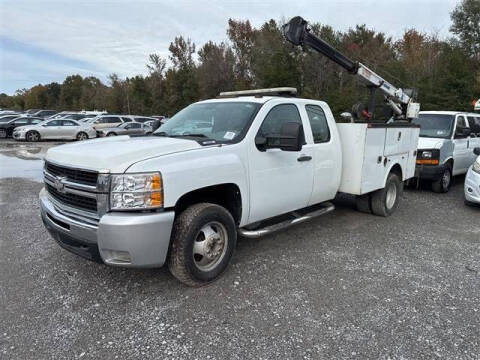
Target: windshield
column 220, row 121
column 435, row 125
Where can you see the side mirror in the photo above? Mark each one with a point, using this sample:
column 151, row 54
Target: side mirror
column 476, row 151
column 462, row 132
column 291, row 138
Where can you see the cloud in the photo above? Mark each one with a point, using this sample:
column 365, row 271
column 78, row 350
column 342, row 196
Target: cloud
column 118, row 36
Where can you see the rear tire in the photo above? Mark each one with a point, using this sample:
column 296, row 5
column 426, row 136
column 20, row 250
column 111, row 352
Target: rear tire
column 32, row 136
column 82, row 136
column 363, row 203
column 111, row 134
column 204, row 237
column 385, row 201
column 443, row 184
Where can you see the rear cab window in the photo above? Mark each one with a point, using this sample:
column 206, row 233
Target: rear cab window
column 318, row 123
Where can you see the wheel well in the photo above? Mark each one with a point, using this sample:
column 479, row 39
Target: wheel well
column 397, row 169
column 226, row 195
column 450, row 162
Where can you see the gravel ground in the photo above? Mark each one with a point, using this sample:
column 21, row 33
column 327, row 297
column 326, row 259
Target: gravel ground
column 347, row 285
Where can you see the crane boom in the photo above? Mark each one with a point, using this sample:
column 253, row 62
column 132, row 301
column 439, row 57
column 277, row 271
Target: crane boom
column 297, row 32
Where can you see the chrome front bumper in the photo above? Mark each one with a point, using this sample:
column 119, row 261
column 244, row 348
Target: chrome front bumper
column 120, row 239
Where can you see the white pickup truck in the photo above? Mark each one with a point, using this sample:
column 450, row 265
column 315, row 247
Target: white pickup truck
column 240, row 165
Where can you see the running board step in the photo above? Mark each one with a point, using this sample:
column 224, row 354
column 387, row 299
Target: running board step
column 298, row 218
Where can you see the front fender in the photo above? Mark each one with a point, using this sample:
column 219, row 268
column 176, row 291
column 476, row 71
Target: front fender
column 187, row 171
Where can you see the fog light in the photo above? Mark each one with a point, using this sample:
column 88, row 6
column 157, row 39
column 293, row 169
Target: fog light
column 469, row 189
column 117, row 257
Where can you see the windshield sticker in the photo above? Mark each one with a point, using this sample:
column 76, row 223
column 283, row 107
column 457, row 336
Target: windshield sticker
column 441, row 132
column 229, row 135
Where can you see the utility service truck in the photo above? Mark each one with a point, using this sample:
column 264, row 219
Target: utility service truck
column 247, row 163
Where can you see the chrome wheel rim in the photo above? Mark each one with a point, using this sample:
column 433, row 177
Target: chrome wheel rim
column 210, row 246
column 446, row 179
column 391, row 196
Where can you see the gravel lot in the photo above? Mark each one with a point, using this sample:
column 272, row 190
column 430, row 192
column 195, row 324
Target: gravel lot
column 347, row 285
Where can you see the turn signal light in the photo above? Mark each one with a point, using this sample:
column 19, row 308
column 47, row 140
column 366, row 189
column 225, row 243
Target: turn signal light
column 427, row 162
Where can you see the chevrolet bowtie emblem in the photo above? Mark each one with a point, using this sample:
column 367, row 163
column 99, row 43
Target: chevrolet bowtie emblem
column 59, row 183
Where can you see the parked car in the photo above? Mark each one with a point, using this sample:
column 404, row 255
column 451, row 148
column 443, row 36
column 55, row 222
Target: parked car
column 472, row 181
column 7, row 118
column 142, row 119
column 445, row 147
column 132, row 128
column 182, row 197
column 7, row 128
column 107, row 121
column 31, row 111
column 78, row 117
column 57, row 129
column 43, row 113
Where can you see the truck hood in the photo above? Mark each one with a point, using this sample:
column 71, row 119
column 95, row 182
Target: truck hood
column 430, row 143
column 116, row 153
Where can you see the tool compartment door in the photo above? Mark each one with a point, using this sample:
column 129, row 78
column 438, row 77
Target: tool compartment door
column 373, row 170
column 397, row 140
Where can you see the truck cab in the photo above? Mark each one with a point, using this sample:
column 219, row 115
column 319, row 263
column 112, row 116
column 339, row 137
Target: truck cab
column 445, row 146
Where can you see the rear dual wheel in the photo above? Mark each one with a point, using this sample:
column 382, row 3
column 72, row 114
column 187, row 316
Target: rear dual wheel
column 382, row 202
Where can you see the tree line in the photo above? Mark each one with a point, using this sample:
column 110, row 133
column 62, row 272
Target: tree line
column 446, row 72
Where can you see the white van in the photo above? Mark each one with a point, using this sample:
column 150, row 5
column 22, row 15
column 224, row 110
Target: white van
column 445, row 146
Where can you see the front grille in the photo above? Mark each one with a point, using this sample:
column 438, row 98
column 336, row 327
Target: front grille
column 78, row 201
column 79, row 176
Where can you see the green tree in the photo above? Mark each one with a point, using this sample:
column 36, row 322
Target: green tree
column 466, row 25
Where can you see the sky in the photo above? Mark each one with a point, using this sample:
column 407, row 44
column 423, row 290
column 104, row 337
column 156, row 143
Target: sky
column 46, row 40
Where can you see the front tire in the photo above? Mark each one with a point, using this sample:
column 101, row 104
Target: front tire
column 82, row 136
column 111, row 134
column 204, row 237
column 32, row 136
column 443, row 184
column 384, row 202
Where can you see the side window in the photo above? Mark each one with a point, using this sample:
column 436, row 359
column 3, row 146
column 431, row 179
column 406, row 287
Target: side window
column 54, row 123
column 135, row 126
column 68, row 123
column 21, row 122
column 113, row 120
column 318, row 123
column 279, row 115
column 125, row 119
column 101, row 121
column 36, row 121
column 474, row 123
column 461, row 123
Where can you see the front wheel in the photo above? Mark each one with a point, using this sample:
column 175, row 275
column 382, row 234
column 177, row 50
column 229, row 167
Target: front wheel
column 443, row 184
column 111, row 134
column 385, row 201
column 204, row 237
column 32, row 136
column 82, row 136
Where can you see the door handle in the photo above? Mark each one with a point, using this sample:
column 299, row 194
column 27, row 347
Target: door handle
column 304, row 158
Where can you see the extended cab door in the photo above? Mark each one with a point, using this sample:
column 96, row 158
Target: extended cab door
column 280, row 181
column 323, row 140
column 461, row 153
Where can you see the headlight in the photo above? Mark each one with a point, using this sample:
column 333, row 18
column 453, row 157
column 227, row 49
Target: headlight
column 476, row 167
column 136, row 191
column 428, row 157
